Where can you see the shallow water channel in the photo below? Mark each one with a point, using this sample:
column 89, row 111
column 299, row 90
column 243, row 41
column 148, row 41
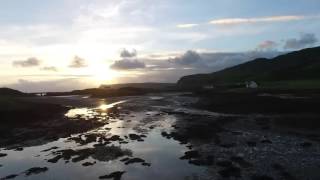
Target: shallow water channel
column 135, row 134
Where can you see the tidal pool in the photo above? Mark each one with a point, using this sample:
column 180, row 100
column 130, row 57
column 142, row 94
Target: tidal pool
column 134, row 135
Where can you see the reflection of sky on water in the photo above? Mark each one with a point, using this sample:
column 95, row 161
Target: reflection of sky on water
column 163, row 154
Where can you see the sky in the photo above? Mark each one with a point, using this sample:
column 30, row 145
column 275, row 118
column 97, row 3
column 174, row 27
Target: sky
column 63, row 45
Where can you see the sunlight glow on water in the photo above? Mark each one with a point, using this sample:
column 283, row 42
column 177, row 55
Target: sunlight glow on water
column 108, row 106
column 90, row 112
column 72, row 113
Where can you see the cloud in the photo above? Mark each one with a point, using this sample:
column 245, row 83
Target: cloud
column 166, row 70
column 237, row 21
column 78, row 62
column 219, row 61
column 187, row 25
column 127, row 54
column 49, row 68
column 127, row 64
column 30, row 62
column 203, row 62
column 305, row 40
column 188, row 58
column 267, row 45
column 128, row 61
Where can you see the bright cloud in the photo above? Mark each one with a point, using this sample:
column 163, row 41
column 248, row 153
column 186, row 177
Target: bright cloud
column 187, row 25
column 236, row 21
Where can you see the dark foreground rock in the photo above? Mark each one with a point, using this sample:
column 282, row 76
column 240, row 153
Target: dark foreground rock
column 2, row 155
column 245, row 145
column 12, row 176
column 134, row 160
column 88, row 163
column 100, row 153
column 36, row 170
column 115, row 175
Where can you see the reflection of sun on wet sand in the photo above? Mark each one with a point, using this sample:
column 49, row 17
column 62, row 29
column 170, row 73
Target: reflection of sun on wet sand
column 108, row 106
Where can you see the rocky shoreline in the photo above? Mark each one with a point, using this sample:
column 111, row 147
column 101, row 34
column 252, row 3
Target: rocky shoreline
column 255, row 146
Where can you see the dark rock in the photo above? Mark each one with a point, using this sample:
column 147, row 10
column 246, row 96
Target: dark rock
column 88, row 163
column 115, row 138
column 19, row 149
column 230, row 172
column 306, row 144
column 146, row 164
column 52, row 148
column 124, row 159
column 115, row 175
column 123, row 142
column 101, row 153
column 36, row 170
column 251, row 143
column 190, row 155
column 12, row 176
column 261, row 177
column 237, row 133
column 282, row 172
column 202, row 161
column 266, row 141
column 135, row 160
column 166, row 135
column 230, row 145
column 55, row 159
column 243, row 163
column 224, row 163
column 2, row 155
column 134, row 137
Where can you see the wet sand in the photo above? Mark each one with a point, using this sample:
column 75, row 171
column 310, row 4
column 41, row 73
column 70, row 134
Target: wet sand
column 160, row 136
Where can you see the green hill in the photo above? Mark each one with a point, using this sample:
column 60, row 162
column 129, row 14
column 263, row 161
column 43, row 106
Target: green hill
column 295, row 68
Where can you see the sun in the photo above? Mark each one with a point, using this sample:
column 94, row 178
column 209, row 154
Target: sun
column 103, row 75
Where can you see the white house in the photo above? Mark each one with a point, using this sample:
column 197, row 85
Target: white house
column 251, row 84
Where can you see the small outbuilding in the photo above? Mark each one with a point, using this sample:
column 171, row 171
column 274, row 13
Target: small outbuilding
column 251, row 84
